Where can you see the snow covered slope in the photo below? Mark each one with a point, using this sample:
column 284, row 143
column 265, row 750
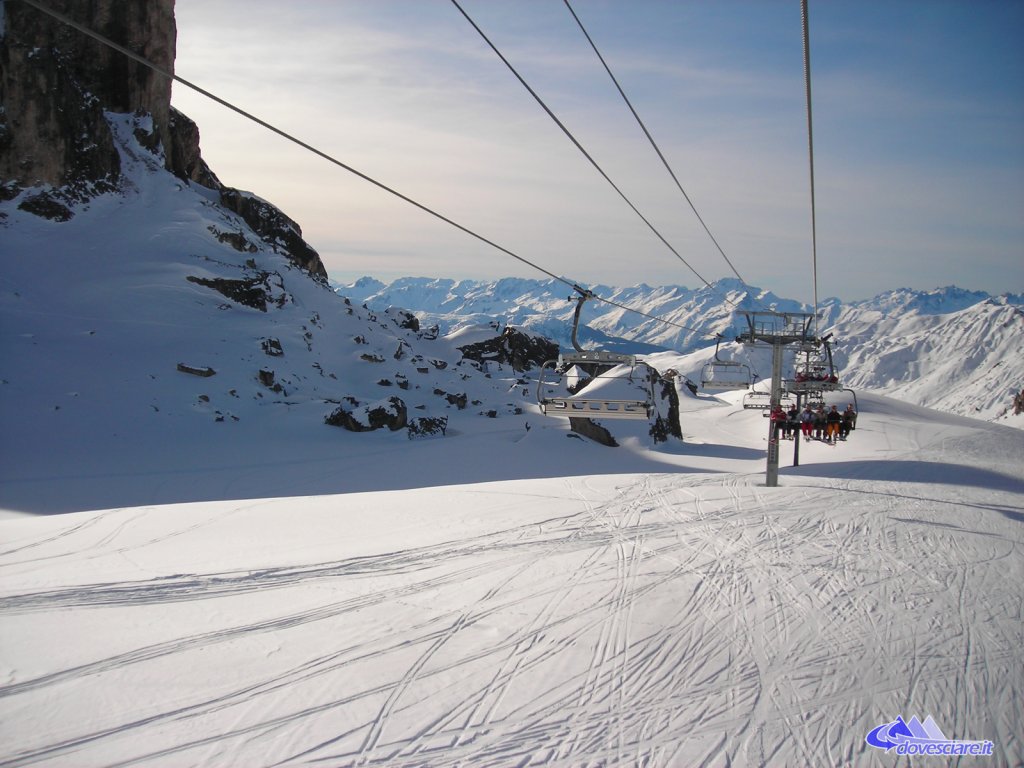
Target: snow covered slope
column 604, row 607
column 949, row 349
column 963, row 360
column 156, row 319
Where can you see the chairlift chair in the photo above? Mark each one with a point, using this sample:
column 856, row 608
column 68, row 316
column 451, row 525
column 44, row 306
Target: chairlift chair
column 592, row 360
column 815, row 375
column 814, row 378
column 757, row 399
column 814, row 397
column 725, row 374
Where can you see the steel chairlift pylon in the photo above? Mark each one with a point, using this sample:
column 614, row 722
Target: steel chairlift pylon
column 581, row 405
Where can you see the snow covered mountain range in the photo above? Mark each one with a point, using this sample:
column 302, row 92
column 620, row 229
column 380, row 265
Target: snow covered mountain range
column 949, row 348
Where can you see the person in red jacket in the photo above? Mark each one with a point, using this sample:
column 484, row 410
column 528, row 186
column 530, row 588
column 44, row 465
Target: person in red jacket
column 778, row 417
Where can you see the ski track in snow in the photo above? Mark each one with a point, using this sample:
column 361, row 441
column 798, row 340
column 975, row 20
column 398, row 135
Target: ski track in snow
column 672, row 619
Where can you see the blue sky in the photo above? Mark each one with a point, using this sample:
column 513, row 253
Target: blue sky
column 918, row 127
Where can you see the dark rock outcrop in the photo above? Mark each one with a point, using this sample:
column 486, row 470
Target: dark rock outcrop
column 513, row 347
column 592, row 430
column 204, row 371
column 185, row 159
column 391, row 413
column 403, row 319
column 259, row 291
column 662, row 428
column 46, row 205
column 274, row 227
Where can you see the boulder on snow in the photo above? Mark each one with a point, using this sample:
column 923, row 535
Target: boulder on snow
column 272, row 346
column 196, row 371
column 459, row 400
column 391, row 413
column 427, row 426
column 268, row 379
column 403, row 319
column 592, row 430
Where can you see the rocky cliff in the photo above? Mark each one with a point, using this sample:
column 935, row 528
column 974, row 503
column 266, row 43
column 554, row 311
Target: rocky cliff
column 57, row 88
column 56, row 84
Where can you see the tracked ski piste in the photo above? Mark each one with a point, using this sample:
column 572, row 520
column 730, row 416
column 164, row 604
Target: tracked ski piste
column 690, row 617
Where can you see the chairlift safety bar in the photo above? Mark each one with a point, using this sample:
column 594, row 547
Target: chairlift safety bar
column 595, row 407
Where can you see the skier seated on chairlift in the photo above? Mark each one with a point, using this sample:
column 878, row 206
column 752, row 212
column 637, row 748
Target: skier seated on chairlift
column 807, row 422
column 792, row 423
column 819, row 423
column 778, row 417
column 816, row 373
column 833, row 422
column 849, row 422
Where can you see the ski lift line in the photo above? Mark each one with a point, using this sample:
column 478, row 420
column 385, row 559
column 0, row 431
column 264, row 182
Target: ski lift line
column 810, row 154
column 273, row 129
column 653, row 143
column 586, row 154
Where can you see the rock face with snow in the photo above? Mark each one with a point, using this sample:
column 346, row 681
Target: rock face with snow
column 59, row 88
column 56, row 84
column 274, row 228
column 513, row 347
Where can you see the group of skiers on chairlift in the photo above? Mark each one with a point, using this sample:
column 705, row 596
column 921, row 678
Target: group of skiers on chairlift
column 821, row 424
column 816, row 373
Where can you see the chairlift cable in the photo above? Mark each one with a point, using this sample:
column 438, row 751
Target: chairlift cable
column 653, row 143
column 273, row 129
column 586, row 154
column 810, row 153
